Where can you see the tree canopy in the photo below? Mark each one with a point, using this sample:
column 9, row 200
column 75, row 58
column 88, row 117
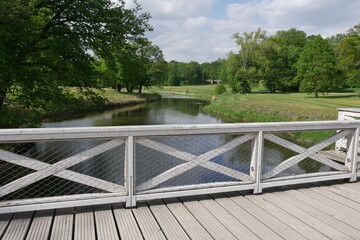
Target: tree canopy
column 48, row 44
column 316, row 66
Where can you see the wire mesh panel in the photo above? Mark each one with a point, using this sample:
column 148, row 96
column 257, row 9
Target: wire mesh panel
column 61, row 168
column 294, row 154
column 177, row 161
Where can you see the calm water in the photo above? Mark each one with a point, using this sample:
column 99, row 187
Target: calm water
column 150, row 163
column 165, row 111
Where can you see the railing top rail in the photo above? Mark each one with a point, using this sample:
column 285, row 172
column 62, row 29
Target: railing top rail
column 354, row 110
column 33, row 134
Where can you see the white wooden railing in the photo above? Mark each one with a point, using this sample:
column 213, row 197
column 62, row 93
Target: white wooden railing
column 346, row 114
column 153, row 162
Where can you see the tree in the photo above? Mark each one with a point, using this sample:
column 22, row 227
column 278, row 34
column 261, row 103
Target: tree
column 277, row 57
column 316, row 66
column 249, row 43
column 269, row 65
column 231, row 65
column 48, row 44
column 348, row 56
column 153, row 64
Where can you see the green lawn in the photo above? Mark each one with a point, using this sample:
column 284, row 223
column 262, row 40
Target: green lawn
column 263, row 106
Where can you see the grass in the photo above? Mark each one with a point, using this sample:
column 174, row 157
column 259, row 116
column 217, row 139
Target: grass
column 262, row 106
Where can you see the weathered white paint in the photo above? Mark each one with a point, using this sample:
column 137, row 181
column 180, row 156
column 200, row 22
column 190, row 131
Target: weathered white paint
column 58, row 167
column 179, row 169
column 255, row 132
column 348, row 114
column 65, row 174
column 307, row 153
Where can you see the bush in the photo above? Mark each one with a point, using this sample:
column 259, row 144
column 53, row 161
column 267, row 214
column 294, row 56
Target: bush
column 220, row 88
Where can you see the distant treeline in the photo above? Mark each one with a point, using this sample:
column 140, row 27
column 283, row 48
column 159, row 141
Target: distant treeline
column 288, row 61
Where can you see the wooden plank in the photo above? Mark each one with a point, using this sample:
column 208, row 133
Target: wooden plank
column 309, row 152
column 63, row 224
column 190, row 157
column 258, row 229
column 296, row 148
column 343, row 200
column 84, row 227
column 212, row 225
column 332, row 203
column 192, row 227
column 147, row 223
column 105, row 223
column 286, row 217
column 40, row 226
column 267, row 219
column 65, row 174
column 126, row 223
column 18, row 226
column 307, row 218
column 229, row 220
column 348, row 193
column 168, row 223
column 334, row 223
column 58, row 167
column 336, row 213
column 353, row 186
column 179, row 169
column 4, row 222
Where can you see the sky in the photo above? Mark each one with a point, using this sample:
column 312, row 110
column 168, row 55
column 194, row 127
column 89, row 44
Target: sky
column 201, row 30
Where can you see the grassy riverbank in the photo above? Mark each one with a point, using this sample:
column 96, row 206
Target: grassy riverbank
column 110, row 99
column 13, row 116
column 261, row 106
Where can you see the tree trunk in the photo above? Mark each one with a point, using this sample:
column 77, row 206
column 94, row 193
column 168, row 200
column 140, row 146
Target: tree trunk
column 316, row 94
column 118, row 87
column 2, row 97
column 140, row 88
column 129, row 89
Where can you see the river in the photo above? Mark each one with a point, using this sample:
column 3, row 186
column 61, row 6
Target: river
column 168, row 110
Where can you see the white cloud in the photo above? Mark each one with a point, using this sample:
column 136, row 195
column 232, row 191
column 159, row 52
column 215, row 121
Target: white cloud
column 185, row 31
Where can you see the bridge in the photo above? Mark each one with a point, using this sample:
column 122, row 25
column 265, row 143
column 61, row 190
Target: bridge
column 182, row 181
column 214, row 81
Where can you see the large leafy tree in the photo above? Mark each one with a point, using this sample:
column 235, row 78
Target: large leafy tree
column 48, row 44
column 246, row 75
column 152, row 63
column 276, row 59
column 137, row 66
column 348, row 55
column 316, row 66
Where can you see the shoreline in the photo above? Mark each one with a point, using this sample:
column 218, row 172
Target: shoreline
column 111, row 103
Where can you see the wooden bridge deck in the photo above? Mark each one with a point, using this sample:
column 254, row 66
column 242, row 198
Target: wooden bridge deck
column 310, row 212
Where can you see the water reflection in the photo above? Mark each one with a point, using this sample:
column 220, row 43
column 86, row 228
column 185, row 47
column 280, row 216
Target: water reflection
column 165, row 111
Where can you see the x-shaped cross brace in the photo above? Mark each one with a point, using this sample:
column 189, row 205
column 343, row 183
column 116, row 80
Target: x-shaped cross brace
column 193, row 161
column 304, row 153
column 59, row 169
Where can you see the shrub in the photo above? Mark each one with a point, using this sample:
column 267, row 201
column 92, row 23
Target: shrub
column 220, row 88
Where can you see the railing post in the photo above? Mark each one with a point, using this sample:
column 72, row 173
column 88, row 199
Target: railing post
column 130, row 170
column 258, row 153
column 354, row 154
